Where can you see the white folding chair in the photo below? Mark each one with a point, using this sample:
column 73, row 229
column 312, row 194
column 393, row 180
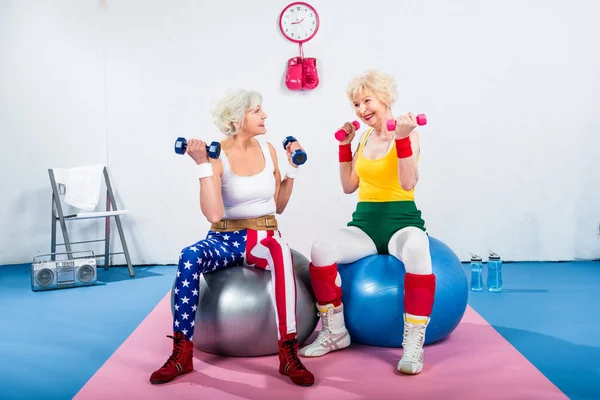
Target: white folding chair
column 111, row 212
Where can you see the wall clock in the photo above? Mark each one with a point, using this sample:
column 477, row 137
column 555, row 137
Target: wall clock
column 299, row 22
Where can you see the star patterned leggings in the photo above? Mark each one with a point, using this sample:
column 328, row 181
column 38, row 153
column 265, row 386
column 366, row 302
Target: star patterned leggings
column 262, row 249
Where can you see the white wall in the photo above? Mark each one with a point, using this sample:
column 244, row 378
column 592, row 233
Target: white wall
column 511, row 90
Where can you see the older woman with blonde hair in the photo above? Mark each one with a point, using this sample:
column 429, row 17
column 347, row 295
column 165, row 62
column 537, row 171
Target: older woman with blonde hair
column 386, row 220
column 240, row 193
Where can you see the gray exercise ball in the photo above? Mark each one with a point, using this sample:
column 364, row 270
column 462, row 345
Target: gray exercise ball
column 236, row 316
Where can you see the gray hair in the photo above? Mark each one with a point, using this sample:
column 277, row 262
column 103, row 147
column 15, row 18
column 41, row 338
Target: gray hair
column 373, row 82
column 231, row 107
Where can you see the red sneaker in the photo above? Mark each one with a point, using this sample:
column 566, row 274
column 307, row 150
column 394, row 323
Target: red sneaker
column 290, row 364
column 179, row 363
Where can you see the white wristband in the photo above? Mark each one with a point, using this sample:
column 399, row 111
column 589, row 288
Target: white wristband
column 292, row 172
column 204, row 170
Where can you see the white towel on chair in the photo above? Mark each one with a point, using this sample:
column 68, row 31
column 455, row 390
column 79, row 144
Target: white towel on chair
column 83, row 185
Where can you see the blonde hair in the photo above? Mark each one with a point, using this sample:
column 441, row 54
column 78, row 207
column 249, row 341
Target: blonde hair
column 231, row 107
column 373, row 82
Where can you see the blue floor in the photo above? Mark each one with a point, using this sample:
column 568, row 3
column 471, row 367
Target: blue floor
column 548, row 312
column 52, row 342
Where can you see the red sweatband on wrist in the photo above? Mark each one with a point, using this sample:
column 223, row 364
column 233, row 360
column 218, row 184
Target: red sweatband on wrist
column 403, row 147
column 345, row 153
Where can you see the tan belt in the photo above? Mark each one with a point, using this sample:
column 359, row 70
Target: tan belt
column 264, row 223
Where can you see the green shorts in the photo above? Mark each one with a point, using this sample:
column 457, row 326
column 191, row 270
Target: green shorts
column 380, row 220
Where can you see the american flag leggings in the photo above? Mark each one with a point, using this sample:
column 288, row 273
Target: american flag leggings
column 262, row 249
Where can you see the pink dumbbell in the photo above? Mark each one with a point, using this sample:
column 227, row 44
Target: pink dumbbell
column 421, row 120
column 341, row 134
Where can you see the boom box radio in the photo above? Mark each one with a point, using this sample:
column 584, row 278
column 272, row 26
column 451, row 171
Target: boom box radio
column 75, row 272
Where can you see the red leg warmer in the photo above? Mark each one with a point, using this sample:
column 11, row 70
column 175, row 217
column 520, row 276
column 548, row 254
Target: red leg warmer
column 323, row 283
column 419, row 292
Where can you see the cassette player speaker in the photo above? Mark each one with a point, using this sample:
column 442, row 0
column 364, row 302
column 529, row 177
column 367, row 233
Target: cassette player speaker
column 75, row 272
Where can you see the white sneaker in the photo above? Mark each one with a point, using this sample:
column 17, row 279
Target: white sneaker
column 412, row 343
column 333, row 336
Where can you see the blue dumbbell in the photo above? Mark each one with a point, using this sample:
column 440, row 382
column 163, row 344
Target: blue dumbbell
column 214, row 150
column 298, row 156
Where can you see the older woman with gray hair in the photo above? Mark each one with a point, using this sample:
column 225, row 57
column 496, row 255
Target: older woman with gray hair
column 240, row 193
column 386, row 221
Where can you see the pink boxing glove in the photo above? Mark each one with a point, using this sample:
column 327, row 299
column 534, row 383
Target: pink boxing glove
column 294, row 75
column 341, row 134
column 311, row 76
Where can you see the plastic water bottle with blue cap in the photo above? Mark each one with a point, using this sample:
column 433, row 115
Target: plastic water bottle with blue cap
column 476, row 273
column 494, row 278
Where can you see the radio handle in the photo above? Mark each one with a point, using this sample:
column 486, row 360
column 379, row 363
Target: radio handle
column 66, row 252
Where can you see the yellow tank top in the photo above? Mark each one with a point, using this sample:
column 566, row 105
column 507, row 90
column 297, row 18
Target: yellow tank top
column 379, row 178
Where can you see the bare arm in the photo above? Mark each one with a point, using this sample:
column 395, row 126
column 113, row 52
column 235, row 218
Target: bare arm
column 211, row 197
column 348, row 175
column 283, row 189
column 408, row 172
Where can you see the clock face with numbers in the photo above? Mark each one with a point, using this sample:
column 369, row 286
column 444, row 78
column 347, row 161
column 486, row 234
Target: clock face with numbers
column 299, row 22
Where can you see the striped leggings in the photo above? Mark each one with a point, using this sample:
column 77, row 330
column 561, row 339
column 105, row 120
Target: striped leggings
column 261, row 249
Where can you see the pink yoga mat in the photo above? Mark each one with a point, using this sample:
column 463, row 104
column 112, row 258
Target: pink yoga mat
column 474, row 362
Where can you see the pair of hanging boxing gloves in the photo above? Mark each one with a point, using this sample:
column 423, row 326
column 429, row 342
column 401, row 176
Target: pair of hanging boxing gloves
column 301, row 73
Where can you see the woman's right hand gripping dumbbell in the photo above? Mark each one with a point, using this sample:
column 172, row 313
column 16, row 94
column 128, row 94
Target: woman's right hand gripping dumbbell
column 347, row 132
column 197, row 149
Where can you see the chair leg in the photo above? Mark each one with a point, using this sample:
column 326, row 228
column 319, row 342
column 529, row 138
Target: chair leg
column 63, row 225
column 124, row 244
column 53, row 232
column 107, row 234
column 111, row 197
column 107, row 244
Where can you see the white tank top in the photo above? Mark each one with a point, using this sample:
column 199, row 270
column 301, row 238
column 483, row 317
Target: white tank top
column 248, row 196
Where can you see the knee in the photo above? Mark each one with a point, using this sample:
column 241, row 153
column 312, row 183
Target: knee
column 192, row 252
column 278, row 247
column 322, row 252
column 416, row 255
column 317, row 248
column 271, row 243
column 417, row 244
column 275, row 244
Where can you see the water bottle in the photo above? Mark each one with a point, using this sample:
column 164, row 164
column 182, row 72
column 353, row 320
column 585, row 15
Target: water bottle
column 494, row 279
column 476, row 273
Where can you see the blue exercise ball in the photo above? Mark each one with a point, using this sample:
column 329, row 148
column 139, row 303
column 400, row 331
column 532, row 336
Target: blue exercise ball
column 373, row 296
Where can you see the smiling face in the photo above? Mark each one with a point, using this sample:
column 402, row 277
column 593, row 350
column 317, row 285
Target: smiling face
column 370, row 109
column 372, row 94
column 254, row 121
